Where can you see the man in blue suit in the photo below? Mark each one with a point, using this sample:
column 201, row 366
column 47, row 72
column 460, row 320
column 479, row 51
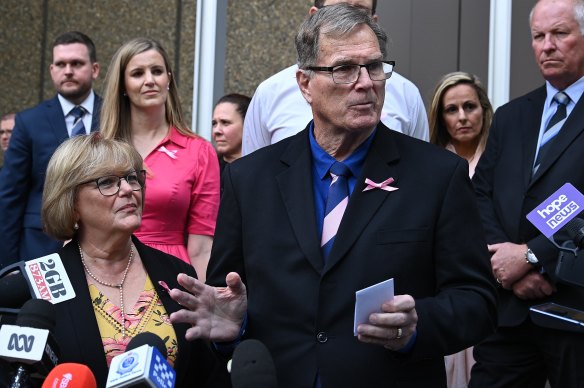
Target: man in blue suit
column 37, row 133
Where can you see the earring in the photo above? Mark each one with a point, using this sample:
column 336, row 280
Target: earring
column 168, row 87
column 124, row 94
column 76, row 226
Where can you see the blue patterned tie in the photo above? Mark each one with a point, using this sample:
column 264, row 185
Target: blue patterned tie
column 336, row 203
column 78, row 128
column 555, row 123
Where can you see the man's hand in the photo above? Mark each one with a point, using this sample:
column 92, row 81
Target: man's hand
column 215, row 313
column 508, row 263
column 533, row 286
column 392, row 328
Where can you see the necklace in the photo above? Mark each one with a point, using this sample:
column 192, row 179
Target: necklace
column 119, row 286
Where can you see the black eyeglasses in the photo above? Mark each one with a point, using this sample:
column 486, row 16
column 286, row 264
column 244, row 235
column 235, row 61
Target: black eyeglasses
column 348, row 74
column 110, row 185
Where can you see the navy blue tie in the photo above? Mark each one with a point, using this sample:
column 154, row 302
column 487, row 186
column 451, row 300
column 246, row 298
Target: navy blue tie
column 555, row 123
column 336, row 203
column 78, row 127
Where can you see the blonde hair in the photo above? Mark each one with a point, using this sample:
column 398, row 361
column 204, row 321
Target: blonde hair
column 115, row 118
column 438, row 132
column 76, row 161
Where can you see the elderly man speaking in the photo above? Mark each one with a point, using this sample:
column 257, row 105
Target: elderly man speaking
column 343, row 205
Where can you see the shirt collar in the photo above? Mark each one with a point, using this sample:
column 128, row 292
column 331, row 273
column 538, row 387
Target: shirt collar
column 573, row 91
column 87, row 104
column 175, row 137
column 323, row 161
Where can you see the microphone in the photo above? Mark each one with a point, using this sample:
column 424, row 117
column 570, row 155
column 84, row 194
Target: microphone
column 70, row 375
column 29, row 343
column 252, row 366
column 575, row 231
column 142, row 365
column 14, row 291
column 45, row 277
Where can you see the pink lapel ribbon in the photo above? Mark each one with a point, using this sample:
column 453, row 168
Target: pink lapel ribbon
column 385, row 185
column 171, row 154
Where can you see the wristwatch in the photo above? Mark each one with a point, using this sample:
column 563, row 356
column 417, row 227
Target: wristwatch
column 531, row 258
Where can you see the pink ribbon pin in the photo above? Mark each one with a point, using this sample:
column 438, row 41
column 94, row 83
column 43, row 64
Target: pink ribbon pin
column 171, row 154
column 385, row 185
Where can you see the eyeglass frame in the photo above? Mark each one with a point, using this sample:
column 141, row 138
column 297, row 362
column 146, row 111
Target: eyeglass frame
column 330, row 69
column 141, row 175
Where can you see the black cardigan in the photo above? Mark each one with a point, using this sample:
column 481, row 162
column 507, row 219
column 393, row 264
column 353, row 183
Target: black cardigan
column 78, row 336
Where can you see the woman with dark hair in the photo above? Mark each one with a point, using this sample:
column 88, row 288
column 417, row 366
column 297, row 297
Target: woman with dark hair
column 141, row 106
column 228, row 117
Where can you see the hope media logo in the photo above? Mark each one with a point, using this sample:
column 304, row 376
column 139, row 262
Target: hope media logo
column 559, row 208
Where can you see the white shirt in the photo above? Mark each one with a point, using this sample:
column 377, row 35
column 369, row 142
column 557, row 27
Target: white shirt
column 278, row 110
column 67, row 105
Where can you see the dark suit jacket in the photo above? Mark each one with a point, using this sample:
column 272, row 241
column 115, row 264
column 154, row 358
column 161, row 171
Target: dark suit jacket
column 507, row 193
column 78, row 336
column 38, row 132
column 426, row 235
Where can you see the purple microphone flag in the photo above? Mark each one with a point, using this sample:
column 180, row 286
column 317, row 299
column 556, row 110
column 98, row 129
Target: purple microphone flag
column 557, row 210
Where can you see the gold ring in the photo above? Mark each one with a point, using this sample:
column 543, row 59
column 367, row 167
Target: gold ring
column 399, row 333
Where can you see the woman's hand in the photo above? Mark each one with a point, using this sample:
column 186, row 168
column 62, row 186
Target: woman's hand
column 215, row 313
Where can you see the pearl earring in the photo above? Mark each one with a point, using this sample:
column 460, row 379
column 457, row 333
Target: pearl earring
column 76, row 226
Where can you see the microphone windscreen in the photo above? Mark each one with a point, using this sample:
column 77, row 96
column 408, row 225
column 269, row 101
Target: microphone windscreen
column 14, row 291
column 252, row 366
column 148, row 338
column 38, row 314
column 70, row 375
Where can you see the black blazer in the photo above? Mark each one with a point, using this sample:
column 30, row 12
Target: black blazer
column 78, row 336
column 507, row 193
column 426, row 235
column 38, row 132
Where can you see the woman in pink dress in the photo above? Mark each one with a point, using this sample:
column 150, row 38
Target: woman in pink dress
column 141, row 106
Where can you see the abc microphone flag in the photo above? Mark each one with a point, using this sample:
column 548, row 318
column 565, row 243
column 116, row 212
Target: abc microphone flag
column 70, row 375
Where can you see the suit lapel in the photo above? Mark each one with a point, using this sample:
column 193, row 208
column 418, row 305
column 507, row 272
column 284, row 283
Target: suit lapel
column 295, row 184
column 570, row 130
column 96, row 112
column 530, row 134
column 56, row 119
column 364, row 205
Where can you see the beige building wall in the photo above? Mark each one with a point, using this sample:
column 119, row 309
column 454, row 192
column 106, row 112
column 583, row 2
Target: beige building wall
column 260, row 42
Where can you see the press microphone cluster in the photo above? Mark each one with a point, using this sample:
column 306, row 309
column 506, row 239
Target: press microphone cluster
column 29, row 344
column 575, row 231
column 252, row 366
column 142, row 365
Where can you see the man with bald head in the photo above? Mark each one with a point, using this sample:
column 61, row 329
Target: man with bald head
column 535, row 147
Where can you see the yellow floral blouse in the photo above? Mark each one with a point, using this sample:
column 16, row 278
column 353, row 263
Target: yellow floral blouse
column 147, row 315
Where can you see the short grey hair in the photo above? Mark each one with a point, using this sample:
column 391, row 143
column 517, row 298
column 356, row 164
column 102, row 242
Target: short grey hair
column 333, row 21
column 578, row 7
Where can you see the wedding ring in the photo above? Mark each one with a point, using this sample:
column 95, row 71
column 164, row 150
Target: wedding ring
column 399, row 333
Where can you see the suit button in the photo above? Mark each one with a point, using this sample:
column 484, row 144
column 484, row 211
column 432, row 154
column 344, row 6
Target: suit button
column 321, row 337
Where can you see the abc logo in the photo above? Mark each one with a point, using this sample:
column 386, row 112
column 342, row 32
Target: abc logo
column 20, row 342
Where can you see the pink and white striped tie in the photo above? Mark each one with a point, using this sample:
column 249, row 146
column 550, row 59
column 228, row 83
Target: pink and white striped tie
column 336, row 203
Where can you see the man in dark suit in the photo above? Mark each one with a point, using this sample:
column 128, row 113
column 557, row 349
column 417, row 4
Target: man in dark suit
column 411, row 216
column 525, row 161
column 37, row 133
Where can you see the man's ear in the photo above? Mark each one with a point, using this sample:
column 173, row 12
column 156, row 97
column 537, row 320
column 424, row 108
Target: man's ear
column 375, row 18
column 303, row 79
column 312, row 10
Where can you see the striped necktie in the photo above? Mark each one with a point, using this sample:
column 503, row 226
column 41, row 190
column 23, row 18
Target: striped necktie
column 336, row 203
column 552, row 128
column 78, row 127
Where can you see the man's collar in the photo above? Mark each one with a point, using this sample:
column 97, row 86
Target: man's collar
column 87, row 104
